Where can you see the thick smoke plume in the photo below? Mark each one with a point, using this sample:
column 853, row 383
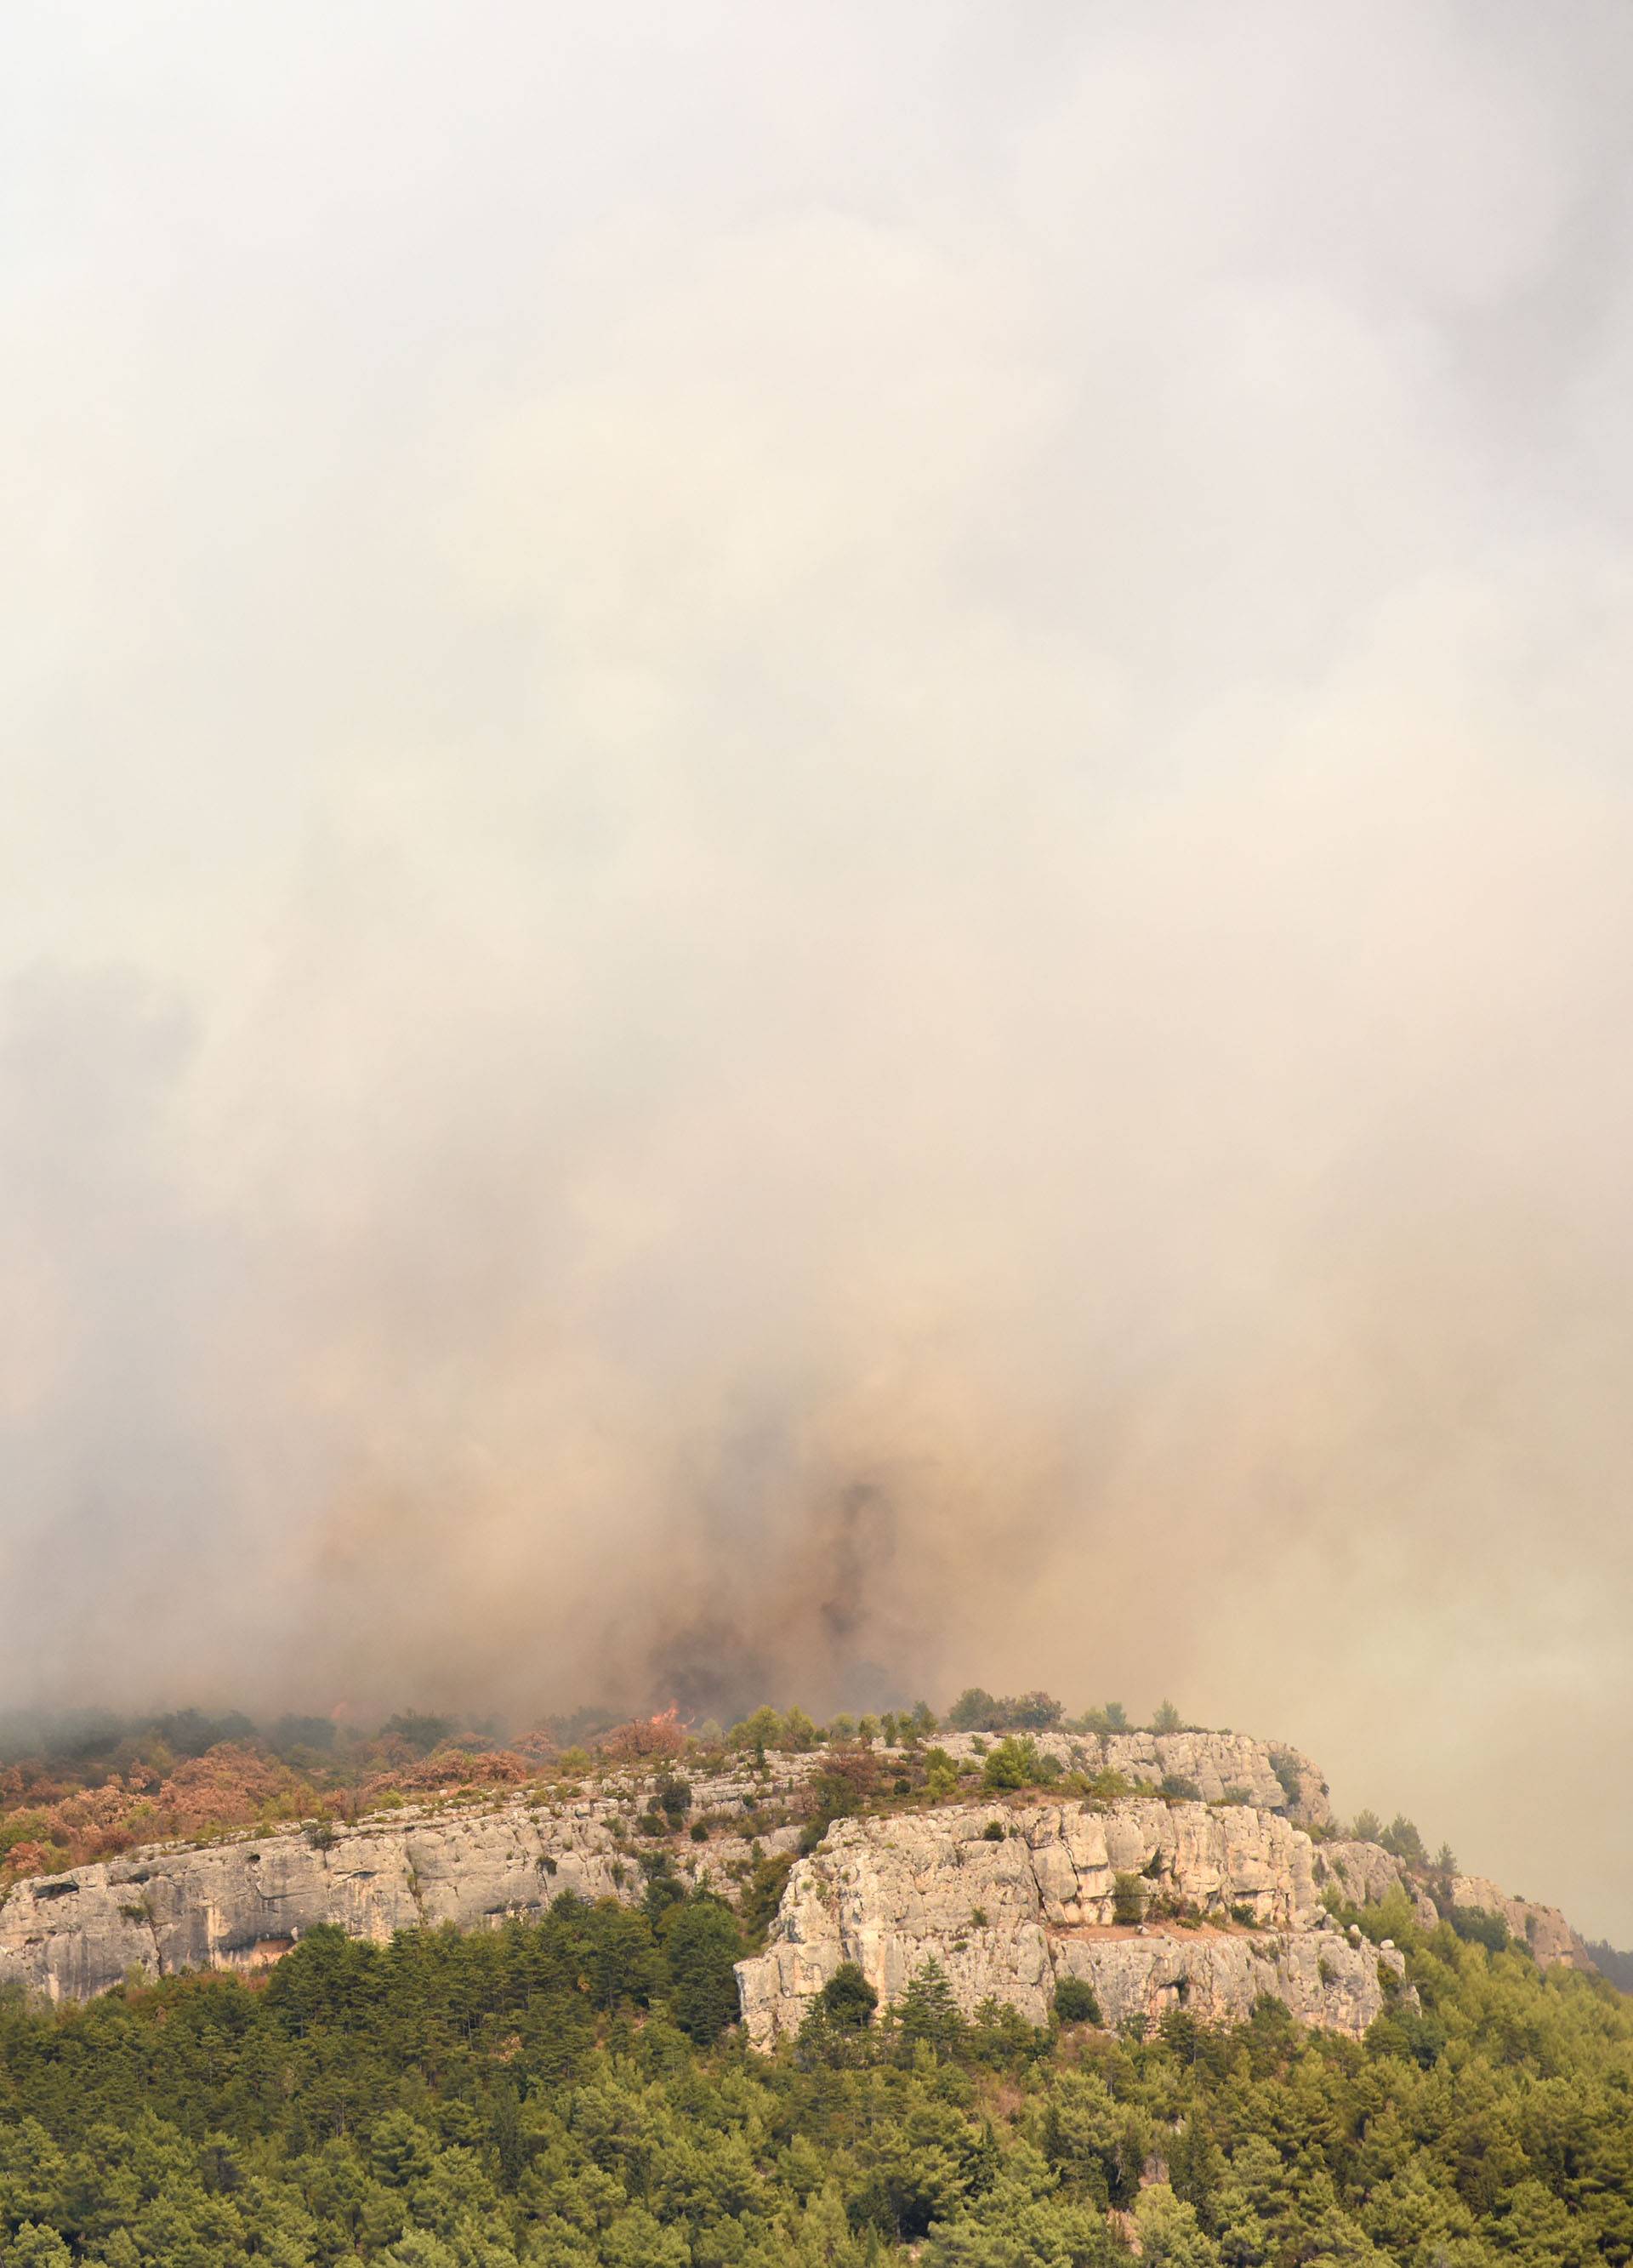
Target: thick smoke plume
column 815, row 872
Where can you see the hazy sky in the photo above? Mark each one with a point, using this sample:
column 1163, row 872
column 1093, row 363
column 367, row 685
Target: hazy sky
column 815, row 850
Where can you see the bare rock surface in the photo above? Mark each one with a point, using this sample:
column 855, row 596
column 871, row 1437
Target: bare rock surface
column 1322, row 1978
column 1011, row 1901
column 1220, row 1766
column 1363, row 1875
column 1544, row 1928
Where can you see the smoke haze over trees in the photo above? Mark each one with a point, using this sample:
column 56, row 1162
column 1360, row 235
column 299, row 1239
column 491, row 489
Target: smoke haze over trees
column 815, row 873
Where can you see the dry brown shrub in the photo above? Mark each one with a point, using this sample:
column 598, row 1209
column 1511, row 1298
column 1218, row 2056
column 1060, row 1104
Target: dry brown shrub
column 453, row 1767
column 537, row 1747
column 95, row 1807
column 227, row 1786
column 645, row 1738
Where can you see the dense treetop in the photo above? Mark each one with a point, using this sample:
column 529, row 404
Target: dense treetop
column 572, row 2092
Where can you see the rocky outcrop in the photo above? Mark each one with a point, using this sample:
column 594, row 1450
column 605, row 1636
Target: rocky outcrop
column 1544, row 1929
column 1363, row 1875
column 1271, row 1776
column 1009, row 1902
column 1323, row 1978
column 1222, row 1767
column 241, row 1905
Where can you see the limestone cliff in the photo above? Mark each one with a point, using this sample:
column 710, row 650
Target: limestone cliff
column 1363, row 1875
column 1011, row 1901
column 1008, row 1896
column 1221, row 1767
column 241, row 1905
column 1544, row 1929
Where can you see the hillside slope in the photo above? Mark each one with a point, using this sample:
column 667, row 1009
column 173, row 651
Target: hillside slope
column 1233, row 1886
column 564, row 2093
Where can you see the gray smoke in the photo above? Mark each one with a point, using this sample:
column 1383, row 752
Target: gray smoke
column 815, row 871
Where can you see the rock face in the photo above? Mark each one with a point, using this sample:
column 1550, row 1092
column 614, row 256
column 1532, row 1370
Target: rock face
column 1009, row 1896
column 242, row 1905
column 1366, row 1874
column 1544, row 1928
column 1218, row 1765
column 1009, row 1902
column 1363, row 1875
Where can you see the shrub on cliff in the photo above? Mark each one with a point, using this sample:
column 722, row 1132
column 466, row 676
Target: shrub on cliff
column 673, row 1796
column 1475, row 1927
column 1127, row 1900
column 793, row 1731
column 1074, row 2002
column 761, row 1896
column 763, row 1729
column 978, row 1710
column 644, row 1739
column 975, row 1710
column 841, row 1790
column 848, row 2001
column 941, row 1774
column 1014, row 1763
column 1285, row 1764
column 1394, row 1916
